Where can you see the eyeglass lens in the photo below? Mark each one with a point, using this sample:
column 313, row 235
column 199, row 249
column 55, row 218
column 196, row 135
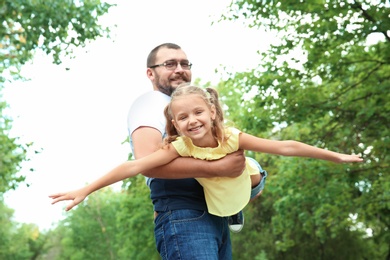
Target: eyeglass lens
column 172, row 64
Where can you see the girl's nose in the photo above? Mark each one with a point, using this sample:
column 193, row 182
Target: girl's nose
column 191, row 119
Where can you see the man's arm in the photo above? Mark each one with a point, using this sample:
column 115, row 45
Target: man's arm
column 147, row 140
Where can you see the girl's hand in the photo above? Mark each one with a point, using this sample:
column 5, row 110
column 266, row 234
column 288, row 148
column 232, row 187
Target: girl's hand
column 346, row 158
column 76, row 196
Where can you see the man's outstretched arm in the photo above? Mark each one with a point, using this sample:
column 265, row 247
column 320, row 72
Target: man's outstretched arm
column 146, row 140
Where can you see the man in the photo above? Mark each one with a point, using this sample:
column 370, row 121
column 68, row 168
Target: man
column 183, row 227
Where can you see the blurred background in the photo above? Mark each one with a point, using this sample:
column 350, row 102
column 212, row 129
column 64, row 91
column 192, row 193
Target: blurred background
column 315, row 72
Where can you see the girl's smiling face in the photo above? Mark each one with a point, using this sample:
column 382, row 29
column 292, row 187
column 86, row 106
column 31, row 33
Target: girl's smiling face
column 193, row 118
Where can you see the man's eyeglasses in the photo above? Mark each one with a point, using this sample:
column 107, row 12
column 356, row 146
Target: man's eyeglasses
column 172, row 65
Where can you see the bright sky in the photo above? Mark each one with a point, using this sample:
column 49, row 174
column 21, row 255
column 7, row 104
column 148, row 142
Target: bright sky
column 78, row 116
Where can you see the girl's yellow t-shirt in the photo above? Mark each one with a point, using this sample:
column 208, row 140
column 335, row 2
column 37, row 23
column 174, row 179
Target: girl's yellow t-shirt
column 224, row 196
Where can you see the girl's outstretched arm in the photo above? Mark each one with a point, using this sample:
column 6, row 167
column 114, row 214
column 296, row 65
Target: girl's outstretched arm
column 123, row 171
column 293, row 148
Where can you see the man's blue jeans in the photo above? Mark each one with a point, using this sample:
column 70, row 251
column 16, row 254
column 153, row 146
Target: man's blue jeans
column 192, row 234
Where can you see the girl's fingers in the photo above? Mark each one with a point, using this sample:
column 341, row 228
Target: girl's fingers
column 70, row 206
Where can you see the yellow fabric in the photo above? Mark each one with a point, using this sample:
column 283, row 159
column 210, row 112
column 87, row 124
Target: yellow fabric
column 224, row 196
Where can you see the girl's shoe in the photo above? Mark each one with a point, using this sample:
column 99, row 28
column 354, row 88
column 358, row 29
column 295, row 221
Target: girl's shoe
column 236, row 222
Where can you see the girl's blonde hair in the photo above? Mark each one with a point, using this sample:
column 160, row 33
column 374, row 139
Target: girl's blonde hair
column 210, row 97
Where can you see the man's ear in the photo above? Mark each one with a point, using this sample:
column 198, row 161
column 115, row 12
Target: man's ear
column 150, row 74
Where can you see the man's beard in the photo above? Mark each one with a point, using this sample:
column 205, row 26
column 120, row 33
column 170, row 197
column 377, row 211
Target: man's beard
column 167, row 90
column 166, row 87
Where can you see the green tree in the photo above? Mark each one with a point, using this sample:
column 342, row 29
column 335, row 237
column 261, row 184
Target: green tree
column 325, row 81
column 135, row 221
column 108, row 225
column 91, row 228
column 5, row 230
column 54, row 26
column 11, row 154
column 19, row 241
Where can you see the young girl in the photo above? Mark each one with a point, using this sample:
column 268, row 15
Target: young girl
column 195, row 127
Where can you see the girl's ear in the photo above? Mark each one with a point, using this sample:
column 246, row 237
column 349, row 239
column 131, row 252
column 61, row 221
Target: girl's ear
column 213, row 112
column 175, row 125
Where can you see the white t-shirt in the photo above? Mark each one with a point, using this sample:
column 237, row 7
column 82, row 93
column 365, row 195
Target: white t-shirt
column 148, row 110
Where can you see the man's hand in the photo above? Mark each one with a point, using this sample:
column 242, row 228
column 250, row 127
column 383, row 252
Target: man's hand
column 232, row 165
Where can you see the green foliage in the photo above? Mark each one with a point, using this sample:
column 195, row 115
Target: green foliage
column 136, row 217
column 325, row 82
column 109, row 225
column 91, row 228
column 54, row 26
column 11, row 155
column 19, row 241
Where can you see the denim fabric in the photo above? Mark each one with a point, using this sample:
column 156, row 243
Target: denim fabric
column 260, row 186
column 192, row 234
